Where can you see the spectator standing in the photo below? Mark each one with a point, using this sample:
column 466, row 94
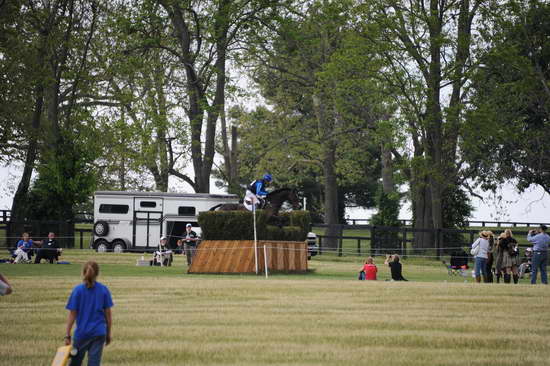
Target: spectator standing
column 395, row 267
column 540, row 242
column 24, row 247
column 190, row 243
column 480, row 251
column 490, row 255
column 503, row 258
column 5, row 286
column 49, row 249
column 90, row 306
column 370, row 269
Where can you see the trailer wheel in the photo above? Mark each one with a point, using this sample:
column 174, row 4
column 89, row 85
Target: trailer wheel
column 101, row 246
column 119, row 246
column 101, row 228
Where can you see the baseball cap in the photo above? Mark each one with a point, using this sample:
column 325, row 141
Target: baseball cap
column 163, row 238
column 188, row 225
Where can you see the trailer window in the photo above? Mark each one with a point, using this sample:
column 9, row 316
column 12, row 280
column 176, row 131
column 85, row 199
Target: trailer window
column 147, row 204
column 114, row 209
column 186, row 211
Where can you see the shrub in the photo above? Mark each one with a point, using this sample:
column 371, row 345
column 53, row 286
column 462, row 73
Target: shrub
column 285, row 233
column 238, row 225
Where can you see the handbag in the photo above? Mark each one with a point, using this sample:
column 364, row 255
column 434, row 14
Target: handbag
column 475, row 251
column 361, row 276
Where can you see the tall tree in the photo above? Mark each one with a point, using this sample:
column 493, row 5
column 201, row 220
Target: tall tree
column 315, row 70
column 427, row 46
column 206, row 33
column 509, row 123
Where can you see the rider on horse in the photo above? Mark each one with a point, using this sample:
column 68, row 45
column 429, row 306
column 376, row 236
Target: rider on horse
column 256, row 190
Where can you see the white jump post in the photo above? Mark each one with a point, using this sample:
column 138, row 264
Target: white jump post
column 255, row 236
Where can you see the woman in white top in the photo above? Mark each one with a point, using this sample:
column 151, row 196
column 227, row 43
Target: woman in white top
column 480, row 251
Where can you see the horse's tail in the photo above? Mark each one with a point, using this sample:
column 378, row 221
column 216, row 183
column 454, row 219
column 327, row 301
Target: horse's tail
column 216, row 207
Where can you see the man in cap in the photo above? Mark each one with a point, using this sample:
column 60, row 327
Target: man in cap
column 540, row 241
column 190, row 239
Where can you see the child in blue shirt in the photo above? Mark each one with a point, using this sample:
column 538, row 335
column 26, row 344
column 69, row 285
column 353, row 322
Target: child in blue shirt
column 24, row 246
column 90, row 305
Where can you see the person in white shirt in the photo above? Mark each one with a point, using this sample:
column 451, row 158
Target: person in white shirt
column 480, row 251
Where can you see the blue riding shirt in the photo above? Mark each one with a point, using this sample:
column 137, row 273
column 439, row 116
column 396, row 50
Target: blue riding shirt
column 258, row 187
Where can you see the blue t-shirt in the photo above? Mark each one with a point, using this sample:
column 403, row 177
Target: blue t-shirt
column 89, row 304
column 25, row 245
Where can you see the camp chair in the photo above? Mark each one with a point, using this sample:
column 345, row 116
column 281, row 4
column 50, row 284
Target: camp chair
column 458, row 264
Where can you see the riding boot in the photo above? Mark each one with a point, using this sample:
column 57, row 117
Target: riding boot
column 478, row 279
column 506, row 278
column 516, row 279
column 498, row 277
column 485, row 279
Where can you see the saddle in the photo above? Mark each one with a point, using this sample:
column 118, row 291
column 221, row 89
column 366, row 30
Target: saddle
column 261, row 204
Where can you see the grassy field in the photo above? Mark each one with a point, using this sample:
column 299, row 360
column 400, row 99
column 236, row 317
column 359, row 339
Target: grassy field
column 163, row 316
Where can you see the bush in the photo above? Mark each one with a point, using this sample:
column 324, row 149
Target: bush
column 302, row 219
column 285, row 233
column 238, row 225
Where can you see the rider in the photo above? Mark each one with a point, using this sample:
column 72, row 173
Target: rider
column 257, row 188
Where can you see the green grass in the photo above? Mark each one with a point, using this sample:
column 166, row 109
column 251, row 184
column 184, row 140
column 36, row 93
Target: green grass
column 163, row 316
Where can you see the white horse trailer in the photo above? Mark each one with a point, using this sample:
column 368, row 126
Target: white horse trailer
column 136, row 220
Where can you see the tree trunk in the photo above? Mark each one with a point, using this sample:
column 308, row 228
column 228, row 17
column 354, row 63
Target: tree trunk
column 388, row 184
column 230, row 156
column 19, row 205
column 331, row 196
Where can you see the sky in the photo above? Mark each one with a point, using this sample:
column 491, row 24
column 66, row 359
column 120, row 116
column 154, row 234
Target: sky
column 532, row 206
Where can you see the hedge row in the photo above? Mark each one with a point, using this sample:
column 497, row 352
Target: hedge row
column 238, row 225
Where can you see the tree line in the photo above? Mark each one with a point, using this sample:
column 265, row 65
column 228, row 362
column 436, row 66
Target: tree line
column 353, row 99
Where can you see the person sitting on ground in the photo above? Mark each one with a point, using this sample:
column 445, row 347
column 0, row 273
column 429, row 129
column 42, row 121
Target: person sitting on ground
column 395, row 266
column 5, row 287
column 525, row 266
column 23, row 250
column 369, row 269
column 163, row 256
column 49, row 249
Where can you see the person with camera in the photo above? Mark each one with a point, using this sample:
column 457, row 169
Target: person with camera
column 395, row 267
column 540, row 241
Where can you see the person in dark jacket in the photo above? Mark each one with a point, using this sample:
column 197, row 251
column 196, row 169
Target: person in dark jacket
column 49, row 249
column 395, row 267
column 190, row 240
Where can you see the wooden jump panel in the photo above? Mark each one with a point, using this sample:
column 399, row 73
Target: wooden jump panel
column 237, row 256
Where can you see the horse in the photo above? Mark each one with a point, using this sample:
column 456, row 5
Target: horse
column 274, row 202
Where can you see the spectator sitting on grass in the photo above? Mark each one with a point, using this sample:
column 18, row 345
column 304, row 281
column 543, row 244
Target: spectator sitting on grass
column 395, row 266
column 369, row 269
column 24, row 247
column 49, row 249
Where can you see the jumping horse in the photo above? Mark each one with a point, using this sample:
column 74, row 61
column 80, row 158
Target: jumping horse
column 274, row 202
